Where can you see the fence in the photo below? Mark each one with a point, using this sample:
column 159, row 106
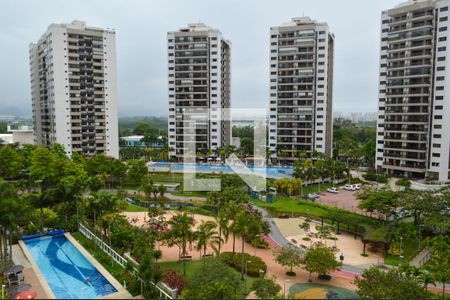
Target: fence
column 121, row 261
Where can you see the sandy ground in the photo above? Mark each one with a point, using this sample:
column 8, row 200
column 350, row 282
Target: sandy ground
column 171, row 254
column 346, row 244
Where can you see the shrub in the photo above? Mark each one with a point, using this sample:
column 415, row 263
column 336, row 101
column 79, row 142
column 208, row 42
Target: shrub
column 235, row 261
column 403, row 182
column 174, row 280
column 372, row 176
column 260, row 243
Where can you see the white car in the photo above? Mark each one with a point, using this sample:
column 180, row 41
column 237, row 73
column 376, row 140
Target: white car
column 332, row 190
column 350, row 187
column 357, row 186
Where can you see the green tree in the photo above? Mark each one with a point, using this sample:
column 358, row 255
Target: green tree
column 11, row 162
column 321, row 260
column 246, row 224
column 137, row 170
column 266, row 288
column 440, row 260
column 207, row 235
column 392, row 284
column 289, row 256
column 383, row 201
column 212, row 280
column 180, row 233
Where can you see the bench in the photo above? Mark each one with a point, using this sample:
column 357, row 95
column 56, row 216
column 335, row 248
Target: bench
column 186, row 257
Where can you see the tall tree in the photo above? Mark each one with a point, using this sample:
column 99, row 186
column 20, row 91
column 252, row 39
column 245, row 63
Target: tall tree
column 289, row 256
column 392, row 284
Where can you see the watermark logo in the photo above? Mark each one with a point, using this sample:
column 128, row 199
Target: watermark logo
column 207, row 127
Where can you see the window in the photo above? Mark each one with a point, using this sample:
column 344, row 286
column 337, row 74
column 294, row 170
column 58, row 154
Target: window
column 440, row 68
column 439, row 97
column 442, row 58
column 437, row 126
column 439, row 88
column 441, row 29
column 385, row 21
column 442, row 39
column 438, row 107
column 435, row 164
column 445, row 8
column 443, row 19
column 438, row 117
column 436, row 155
column 437, row 145
column 442, row 48
column 437, row 136
column 440, row 78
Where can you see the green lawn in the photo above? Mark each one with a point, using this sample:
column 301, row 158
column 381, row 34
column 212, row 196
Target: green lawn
column 409, row 248
column 289, row 205
column 192, row 266
column 134, row 208
column 190, row 194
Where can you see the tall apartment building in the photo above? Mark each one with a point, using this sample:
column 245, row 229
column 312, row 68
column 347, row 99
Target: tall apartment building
column 199, row 89
column 73, row 89
column 301, row 89
column 413, row 135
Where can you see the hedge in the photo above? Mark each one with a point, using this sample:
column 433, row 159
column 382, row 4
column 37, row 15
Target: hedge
column 253, row 267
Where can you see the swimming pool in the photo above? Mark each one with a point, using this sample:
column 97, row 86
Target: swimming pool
column 272, row 172
column 67, row 271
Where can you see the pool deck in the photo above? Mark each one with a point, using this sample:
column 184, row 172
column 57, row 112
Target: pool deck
column 37, row 280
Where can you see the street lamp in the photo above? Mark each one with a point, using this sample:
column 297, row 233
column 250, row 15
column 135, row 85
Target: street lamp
column 245, row 278
column 400, row 256
column 261, row 273
column 256, row 236
column 425, row 285
column 284, row 288
column 420, row 234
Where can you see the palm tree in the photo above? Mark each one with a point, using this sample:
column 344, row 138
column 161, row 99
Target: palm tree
column 231, row 210
column 207, row 235
column 246, row 224
column 224, row 229
column 180, row 233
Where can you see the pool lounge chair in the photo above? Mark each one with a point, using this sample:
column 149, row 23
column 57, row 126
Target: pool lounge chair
column 14, row 279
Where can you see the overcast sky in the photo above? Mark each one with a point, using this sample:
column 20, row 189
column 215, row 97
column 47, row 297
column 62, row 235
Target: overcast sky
column 141, row 28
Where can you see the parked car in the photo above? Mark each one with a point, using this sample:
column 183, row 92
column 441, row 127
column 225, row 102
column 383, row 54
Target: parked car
column 312, row 197
column 349, row 187
column 332, row 190
column 357, row 186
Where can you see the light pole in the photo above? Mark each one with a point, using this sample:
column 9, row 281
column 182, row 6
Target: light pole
column 425, row 285
column 256, row 236
column 400, row 256
column 335, row 235
column 245, row 278
column 261, row 273
column 284, row 288
column 420, row 234
column 3, row 291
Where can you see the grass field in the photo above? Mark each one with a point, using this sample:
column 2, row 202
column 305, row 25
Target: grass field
column 192, row 266
column 134, row 208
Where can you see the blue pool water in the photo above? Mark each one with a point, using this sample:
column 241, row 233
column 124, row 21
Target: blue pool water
column 68, row 273
column 272, row 172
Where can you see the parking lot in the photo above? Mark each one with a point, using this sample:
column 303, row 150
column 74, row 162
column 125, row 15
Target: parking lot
column 343, row 199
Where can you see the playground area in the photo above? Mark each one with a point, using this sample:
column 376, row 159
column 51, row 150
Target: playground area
column 345, row 243
column 320, row 291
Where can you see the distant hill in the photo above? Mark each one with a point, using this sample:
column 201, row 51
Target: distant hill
column 131, row 122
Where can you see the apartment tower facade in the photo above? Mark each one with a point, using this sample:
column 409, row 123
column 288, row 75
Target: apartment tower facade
column 301, row 89
column 73, row 89
column 199, row 89
column 413, row 128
